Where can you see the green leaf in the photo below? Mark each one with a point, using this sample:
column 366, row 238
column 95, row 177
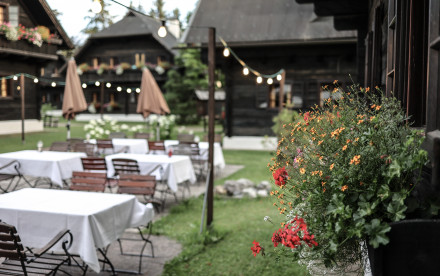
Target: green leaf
column 377, row 232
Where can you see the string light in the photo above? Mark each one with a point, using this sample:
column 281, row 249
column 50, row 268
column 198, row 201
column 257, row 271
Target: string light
column 128, row 90
column 279, row 77
column 35, row 80
column 162, row 32
column 119, row 89
column 84, row 85
column 18, row 88
column 15, row 78
column 226, row 52
column 96, row 6
column 53, row 84
column 97, row 83
column 108, row 85
column 245, row 71
column 259, row 79
column 138, row 90
column 269, row 81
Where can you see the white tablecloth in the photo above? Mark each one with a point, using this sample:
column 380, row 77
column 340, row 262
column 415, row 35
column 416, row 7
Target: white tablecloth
column 133, row 145
column 219, row 160
column 177, row 168
column 94, row 219
column 52, row 164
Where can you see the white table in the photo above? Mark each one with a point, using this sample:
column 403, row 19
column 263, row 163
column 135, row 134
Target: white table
column 219, row 160
column 94, row 219
column 51, row 164
column 177, row 168
column 133, row 145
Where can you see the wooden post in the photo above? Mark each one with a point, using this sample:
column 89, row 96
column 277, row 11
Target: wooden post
column 22, row 94
column 281, row 92
column 102, row 100
column 211, row 120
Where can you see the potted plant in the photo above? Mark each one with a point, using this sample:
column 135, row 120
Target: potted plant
column 344, row 173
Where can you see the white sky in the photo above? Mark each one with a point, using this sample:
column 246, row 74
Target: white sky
column 74, row 11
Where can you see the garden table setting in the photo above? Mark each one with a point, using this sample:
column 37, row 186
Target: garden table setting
column 176, row 169
column 54, row 165
column 94, row 219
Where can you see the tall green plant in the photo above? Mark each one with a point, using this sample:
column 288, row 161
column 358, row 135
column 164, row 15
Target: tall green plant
column 190, row 74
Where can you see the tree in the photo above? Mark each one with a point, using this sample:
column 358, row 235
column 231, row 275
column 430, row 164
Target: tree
column 188, row 75
column 158, row 11
column 98, row 21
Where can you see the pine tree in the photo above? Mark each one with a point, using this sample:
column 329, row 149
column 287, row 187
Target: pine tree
column 98, row 21
column 158, row 11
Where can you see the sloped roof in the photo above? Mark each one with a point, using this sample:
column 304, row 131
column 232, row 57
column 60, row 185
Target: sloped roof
column 41, row 14
column 256, row 22
column 135, row 24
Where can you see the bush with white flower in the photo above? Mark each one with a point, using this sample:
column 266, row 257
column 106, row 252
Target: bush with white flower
column 166, row 125
column 101, row 128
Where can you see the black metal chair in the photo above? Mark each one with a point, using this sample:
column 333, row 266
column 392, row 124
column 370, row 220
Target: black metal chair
column 13, row 177
column 19, row 261
column 60, row 146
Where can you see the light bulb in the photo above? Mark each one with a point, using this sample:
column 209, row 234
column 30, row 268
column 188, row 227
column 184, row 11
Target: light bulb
column 259, row 79
column 128, row 90
column 226, row 52
column 84, row 85
column 96, row 6
column 97, row 83
column 15, row 78
column 162, row 32
column 279, row 77
column 269, row 81
column 119, row 89
column 218, row 84
column 36, row 80
column 18, row 88
column 108, row 85
column 245, row 71
column 138, row 90
column 53, row 84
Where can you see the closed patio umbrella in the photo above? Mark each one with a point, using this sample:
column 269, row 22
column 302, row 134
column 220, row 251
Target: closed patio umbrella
column 73, row 100
column 150, row 98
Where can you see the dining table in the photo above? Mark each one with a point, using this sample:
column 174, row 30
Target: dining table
column 54, row 165
column 128, row 144
column 176, row 169
column 94, row 219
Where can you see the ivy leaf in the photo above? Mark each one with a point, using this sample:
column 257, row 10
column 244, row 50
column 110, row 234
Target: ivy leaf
column 396, row 210
column 377, row 233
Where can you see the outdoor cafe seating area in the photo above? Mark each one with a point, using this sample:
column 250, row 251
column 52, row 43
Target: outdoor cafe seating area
column 92, row 190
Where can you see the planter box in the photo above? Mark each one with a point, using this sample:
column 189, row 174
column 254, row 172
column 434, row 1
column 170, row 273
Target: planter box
column 414, row 249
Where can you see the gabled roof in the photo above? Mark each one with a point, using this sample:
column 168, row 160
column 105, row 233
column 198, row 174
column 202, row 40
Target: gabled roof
column 135, row 24
column 41, row 14
column 257, row 22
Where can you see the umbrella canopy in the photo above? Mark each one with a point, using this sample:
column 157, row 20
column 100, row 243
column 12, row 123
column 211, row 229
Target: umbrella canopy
column 151, row 99
column 73, row 100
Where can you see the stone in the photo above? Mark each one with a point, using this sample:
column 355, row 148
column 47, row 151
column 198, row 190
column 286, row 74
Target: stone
column 245, row 183
column 220, row 190
column 264, row 185
column 262, row 193
column 250, row 192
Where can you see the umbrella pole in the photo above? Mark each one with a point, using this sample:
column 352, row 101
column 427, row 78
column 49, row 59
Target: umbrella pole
column 68, row 129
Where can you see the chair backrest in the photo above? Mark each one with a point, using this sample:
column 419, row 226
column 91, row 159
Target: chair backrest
column 60, row 146
column 87, row 148
column 117, row 135
column 137, row 184
column 217, row 138
column 10, row 244
column 125, row 166
column 73, row 141
column 88, row 181
column 185, row 137
column 94, row 164
column 186, row 148
column 156, row 145
column 104, row 144
column 141, row 135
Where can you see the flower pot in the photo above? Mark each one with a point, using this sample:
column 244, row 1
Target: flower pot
column 414, row 249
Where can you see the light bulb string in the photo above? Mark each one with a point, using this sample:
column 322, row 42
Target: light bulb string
column 253, row 71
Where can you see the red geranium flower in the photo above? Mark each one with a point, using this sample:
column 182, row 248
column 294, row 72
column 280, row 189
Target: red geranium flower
column 280, row 176
column 257, row 248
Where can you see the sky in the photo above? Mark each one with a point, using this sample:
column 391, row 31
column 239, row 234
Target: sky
column 73, row 12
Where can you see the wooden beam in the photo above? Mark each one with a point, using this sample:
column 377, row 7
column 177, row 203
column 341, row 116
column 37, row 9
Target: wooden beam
column 23, row 103
column 211, row 115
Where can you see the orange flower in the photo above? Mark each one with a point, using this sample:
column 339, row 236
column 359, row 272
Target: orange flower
column 355, row 160
column 367, row 89
column 323, row 183
column 344, row 147
column 343, row 188
column 378, row 107
column 335, row 81
column 302, row 171
column 332, row 166
column 320, row 142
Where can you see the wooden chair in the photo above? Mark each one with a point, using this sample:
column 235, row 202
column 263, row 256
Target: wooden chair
column 144, row 185
column 87, row 148
column 105, row 145
column 156, row 147
column 125, row 166
column 60, row 146
column 88, row 181
column 142, row 135
column 98, row 164
column 16, row 176
column 117, row 135
column 27, row 262
column 73, row 141
column 185, row 137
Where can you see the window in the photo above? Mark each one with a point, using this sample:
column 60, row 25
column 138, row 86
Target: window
column 5, row 88
column 13, row 15
column 4, row 12
column 329, row 90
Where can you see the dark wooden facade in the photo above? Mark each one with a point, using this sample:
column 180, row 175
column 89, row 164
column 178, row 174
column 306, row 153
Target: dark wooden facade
column 269, row 36
column 24, row 57
column 131, row 41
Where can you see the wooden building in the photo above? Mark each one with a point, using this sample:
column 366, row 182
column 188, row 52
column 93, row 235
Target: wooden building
column 269, row 36
column 115, row 56
column 30, row 36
